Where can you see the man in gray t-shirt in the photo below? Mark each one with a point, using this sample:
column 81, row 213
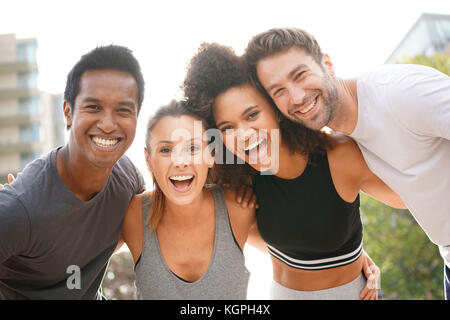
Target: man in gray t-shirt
column 61, row 219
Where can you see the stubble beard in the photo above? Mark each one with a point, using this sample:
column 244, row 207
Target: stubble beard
column 330, row 100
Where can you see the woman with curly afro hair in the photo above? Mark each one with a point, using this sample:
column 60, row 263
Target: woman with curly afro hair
column 307, row 184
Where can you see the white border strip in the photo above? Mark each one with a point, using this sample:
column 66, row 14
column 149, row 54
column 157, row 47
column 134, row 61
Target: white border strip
column 345, row 256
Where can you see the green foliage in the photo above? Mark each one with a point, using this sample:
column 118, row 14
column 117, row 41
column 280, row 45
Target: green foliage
column 411, row 266
column 438, row 61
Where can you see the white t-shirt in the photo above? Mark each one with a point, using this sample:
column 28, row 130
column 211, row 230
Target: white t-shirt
column 403, row 131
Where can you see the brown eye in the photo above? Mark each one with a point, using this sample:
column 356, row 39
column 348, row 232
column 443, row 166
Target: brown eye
column 252, row 115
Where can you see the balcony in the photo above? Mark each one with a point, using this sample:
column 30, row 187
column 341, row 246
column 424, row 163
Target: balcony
column 18, row 93
column 20, row 146
column 19, row 119
column 18, row 67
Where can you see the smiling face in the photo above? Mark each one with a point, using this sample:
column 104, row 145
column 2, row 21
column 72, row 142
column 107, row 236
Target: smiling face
column 103, row 120
column 304, row 91
column 247, row 122
column 179, row 158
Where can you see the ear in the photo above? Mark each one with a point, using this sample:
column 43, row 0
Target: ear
column 67, row 110
column 326, row 62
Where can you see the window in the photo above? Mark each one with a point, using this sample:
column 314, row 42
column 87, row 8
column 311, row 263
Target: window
column 27, row 79
column 26, row 52
column 29, row 132
column 29, row 106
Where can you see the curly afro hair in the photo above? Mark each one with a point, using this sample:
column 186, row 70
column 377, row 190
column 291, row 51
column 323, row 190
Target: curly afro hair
column 213, row 70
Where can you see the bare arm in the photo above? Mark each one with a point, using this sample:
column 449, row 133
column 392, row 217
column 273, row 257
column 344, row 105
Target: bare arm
column 255, row 239
column 132, row 231
column 351, row 174
column 241, row 219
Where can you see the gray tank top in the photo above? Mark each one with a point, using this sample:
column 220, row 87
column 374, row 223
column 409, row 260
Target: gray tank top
column 225, row 279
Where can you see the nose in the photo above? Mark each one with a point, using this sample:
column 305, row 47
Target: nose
column 107, row 122
column 244, row 134
column 181, row 159
column 296, row 95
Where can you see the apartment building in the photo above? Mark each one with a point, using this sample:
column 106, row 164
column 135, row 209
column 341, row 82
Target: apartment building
column 31, row 121
column 430, row 34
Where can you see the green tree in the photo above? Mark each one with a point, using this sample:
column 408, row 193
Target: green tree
column 438, row 61
column 411, row 266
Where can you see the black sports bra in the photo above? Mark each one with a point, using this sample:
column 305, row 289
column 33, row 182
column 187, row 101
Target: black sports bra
column 305, row 222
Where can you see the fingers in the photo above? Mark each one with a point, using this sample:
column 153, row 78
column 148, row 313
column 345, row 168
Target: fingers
column 10, row 178
column 246, row 197
column 369, row 294
column 240, row 195
column 364, row 293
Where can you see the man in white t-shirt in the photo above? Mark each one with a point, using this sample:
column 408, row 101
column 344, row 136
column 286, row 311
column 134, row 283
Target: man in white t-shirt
column 398, row 114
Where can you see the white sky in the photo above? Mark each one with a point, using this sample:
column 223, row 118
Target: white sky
column 358, row 35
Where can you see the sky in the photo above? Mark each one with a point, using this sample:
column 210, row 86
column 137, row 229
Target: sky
column 358, row 36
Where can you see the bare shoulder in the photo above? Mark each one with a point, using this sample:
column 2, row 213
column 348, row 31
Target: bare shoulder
column 342, row 143
column 344, row 151
column 133, row 216
column 347, row 166
column 233, row 206
column 241, row 219
column 135, row 205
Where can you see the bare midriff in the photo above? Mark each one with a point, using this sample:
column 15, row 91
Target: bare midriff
column 309, row 280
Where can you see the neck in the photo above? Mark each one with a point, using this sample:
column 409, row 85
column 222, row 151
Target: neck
column 187, row 215
column 291, row 165
column 82, row 178
column 346, row 112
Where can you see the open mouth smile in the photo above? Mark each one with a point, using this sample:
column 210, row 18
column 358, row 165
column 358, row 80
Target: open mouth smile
column 105, row 144
column 256, row 151
column 182, row 183
column 307, row 111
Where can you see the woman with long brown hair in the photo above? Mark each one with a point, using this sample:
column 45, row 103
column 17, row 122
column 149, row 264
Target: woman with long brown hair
column 186, row 237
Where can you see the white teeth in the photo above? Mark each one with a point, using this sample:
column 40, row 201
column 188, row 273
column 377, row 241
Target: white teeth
column 181, row 178
column 254, row 145
column 105, row 142
column 310, row 106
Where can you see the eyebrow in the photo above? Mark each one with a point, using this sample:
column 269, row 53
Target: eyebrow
column 130, row 104
column 244, row 112
column 171, row 142
column 290, row 75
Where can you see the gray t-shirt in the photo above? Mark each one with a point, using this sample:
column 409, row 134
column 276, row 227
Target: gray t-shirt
column 54, row 245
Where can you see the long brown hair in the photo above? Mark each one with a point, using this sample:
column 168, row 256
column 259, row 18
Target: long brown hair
column 158, row 199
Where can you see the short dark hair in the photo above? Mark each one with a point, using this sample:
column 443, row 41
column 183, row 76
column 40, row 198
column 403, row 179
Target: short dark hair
column 278, row 40
column 104, row 57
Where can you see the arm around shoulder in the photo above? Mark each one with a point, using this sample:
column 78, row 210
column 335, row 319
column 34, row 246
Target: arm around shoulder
column 351, row 174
